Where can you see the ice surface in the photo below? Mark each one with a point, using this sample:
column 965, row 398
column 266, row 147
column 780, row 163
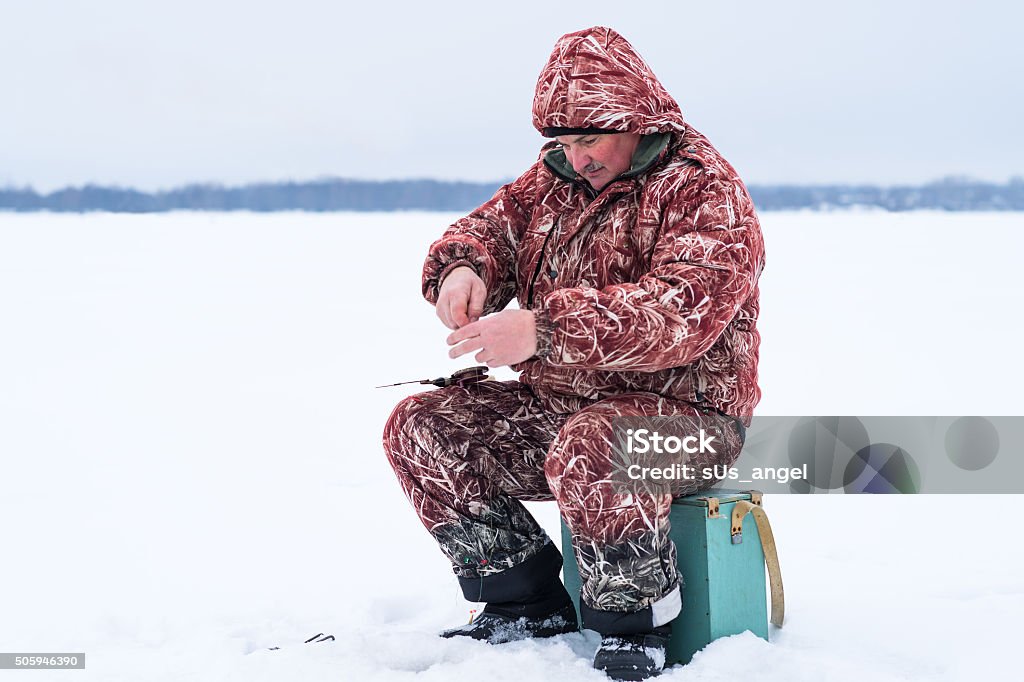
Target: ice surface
column 192, row 470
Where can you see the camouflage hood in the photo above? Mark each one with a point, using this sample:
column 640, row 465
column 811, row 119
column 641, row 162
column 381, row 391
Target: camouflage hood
column 595, row 79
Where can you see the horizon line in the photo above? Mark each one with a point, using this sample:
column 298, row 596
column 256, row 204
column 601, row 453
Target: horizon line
column 220, row 185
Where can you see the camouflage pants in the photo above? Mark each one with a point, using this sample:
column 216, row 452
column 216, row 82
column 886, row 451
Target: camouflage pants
column 465, row 457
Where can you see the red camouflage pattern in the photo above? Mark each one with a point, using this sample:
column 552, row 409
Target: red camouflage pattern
column 466, row 455
column 595, row 79
column 646, row 301
column 655, row 280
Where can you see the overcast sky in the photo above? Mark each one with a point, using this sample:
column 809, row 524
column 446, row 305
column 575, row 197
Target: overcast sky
column 158, row 94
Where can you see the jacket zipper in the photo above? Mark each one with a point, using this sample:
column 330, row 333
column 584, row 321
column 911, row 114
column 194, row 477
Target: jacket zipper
column 540, row 262
column 593, row 220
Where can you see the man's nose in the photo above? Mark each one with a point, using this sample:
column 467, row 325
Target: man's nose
column 579, row 160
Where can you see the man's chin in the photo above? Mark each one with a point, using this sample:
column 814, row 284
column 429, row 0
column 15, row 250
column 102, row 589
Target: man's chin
column 596, row 181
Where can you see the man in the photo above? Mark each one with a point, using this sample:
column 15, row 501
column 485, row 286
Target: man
column 634, row 252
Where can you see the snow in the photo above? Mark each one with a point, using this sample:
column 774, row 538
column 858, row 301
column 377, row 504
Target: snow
column 192, row 470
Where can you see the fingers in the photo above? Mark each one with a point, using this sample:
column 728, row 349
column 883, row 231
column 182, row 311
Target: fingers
column 486, row 355
column 465, row 340
column 459, row 315
column 468, row 331
column 477, row 296
column 443, row 313
column 443, row 307
column 468, row 346
column 461, row 298
column 451, row 309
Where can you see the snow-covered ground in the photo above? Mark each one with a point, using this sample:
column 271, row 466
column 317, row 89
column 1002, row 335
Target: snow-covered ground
column 191, row 470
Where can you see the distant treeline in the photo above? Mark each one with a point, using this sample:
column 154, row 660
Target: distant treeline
column 432, row 195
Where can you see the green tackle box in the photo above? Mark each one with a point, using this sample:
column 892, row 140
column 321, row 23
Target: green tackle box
column 722, row 538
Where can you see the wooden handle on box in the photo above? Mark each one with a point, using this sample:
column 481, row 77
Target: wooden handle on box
column 771, row 555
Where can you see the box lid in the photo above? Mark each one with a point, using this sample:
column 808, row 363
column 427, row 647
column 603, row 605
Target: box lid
column 724, row 495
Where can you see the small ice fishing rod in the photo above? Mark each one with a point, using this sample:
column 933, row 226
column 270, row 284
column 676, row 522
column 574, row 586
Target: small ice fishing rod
column 463, row 377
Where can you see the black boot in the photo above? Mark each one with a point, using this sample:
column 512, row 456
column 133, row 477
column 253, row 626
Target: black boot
column 527, row 600
column 496, row 626
column 633, row 657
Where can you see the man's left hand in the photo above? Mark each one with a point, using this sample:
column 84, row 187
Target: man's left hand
column 504, row 338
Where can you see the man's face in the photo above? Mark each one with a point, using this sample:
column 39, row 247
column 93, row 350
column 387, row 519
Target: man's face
column 601, row 158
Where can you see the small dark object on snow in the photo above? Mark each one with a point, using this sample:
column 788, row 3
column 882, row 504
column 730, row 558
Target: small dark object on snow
column 496, row 626
column 318, row 637
column 633, row 657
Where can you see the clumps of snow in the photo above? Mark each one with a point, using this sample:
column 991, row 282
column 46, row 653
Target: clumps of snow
column 657, row 656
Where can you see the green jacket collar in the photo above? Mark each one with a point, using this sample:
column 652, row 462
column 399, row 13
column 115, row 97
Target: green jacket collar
column 647, row 152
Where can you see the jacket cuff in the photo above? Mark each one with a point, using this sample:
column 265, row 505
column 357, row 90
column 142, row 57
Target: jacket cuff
column 545, row 331
column 448, row 253
column 447, row 270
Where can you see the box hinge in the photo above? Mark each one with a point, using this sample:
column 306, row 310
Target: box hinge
column 712, row 507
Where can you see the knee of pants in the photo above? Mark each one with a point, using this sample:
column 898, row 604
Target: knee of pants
column 579, row 455
column 407, row 418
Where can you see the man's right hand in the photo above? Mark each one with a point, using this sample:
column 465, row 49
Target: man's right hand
column 461, row 298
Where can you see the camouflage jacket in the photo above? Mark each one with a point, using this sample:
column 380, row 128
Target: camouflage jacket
column 648, row 285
